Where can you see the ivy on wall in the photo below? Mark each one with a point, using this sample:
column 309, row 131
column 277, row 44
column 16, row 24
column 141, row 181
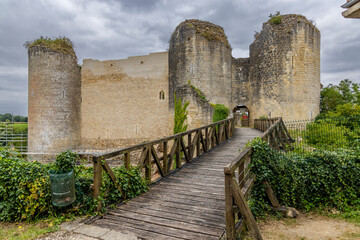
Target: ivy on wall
column 221, row 112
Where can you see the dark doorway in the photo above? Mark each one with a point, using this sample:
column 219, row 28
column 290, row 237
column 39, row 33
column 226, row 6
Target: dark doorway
column 242, row 115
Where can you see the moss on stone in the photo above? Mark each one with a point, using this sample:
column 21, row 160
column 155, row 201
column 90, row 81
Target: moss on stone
column 60, row 44
column 208, row 30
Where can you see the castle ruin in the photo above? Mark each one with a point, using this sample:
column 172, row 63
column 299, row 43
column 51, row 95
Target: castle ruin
column 116, row 103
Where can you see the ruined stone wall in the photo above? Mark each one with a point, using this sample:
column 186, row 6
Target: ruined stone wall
column 285, row 70
column 121, row 102
column 200, row 112
column 54, row 100
column 240, row 82
column 200, row 54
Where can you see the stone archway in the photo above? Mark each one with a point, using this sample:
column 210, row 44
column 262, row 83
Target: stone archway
column 241, row 115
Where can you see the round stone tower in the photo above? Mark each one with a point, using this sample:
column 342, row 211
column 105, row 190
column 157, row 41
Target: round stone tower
column 200, row 57
column 285, row 69
column 54, row 98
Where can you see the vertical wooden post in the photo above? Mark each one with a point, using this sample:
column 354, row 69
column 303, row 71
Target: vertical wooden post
column 148, row 165
column 242, row 174
column 212, row 136
column 229, row 211
column 189, row 147
column 198, row 144
column 178, row 160
column 206, row 140
column 97, row 179
column 127, row 160
column 165, row 155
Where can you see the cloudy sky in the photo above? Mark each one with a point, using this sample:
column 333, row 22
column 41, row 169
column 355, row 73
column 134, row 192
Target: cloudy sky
column 116, row 29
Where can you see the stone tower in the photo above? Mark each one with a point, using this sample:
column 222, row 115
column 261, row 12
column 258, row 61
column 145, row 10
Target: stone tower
column 200, row 57
column 284, row 70
column 54, row 99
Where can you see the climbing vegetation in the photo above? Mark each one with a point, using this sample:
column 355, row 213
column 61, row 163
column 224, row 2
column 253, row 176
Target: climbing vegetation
column 221, row 112
column 198, row 91
column 60, row 44
column 25, row 193
column 316, row 179
column 180, row 115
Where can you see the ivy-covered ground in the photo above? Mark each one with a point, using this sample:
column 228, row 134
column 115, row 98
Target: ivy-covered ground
column 26, row 208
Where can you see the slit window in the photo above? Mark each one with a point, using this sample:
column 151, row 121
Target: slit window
column 161, row 95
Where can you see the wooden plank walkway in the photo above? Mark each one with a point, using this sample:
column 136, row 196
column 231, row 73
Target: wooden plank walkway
column 187, row 205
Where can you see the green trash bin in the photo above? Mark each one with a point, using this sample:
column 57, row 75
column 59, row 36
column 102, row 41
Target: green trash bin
column 62, row 188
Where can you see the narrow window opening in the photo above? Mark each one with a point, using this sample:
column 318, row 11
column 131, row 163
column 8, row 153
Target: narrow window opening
column 63, row 93
column 162, row 95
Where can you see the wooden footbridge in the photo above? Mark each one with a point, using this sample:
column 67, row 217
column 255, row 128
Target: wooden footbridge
column 190, row 201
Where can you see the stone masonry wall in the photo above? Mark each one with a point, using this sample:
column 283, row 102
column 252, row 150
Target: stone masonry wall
column 285, row 70
column 121, row 102
column 200, row 54
column 199, row 111
column 54, row 101
column 240, row 82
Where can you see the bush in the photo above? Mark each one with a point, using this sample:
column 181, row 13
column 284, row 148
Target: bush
column 334, row 132
column 275, row 19
column 317, row 179
column 25, row 188
column 221, row 112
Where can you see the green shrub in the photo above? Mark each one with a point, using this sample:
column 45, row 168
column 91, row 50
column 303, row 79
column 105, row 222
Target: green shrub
column 221, row 112
column 333, row 132
column 318, row 179
column 59, row 44
column 326, row 135
column 180, row 115
column 65, row 161
column 275, row 19
column 25, row 188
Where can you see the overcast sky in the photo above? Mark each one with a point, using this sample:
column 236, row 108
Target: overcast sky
column 116, row 29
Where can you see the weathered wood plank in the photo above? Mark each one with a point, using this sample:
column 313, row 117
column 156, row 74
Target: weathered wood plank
column 189, row 204
column 182, row 225
column 131, row 228
column 191, row 219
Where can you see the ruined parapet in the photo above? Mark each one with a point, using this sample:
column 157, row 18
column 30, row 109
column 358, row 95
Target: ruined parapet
column 54, row 97
column 200, row 55
column 285, row 69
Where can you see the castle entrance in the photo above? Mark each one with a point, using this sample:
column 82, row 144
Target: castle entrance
column 241, row 116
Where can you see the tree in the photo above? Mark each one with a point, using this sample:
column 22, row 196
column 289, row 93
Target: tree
column 332, row 96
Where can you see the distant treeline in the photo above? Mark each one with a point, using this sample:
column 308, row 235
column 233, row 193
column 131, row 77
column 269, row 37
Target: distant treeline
column 9, row 117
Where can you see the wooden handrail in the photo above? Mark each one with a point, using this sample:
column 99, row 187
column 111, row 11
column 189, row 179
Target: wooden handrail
column 198, row 141
column 238, row 185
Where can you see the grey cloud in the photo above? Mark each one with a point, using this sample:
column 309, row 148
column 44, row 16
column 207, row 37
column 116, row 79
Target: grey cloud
column 114, row 29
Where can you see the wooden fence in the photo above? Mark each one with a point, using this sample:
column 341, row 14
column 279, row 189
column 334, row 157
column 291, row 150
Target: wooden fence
column 239, row 180
column 174, row 150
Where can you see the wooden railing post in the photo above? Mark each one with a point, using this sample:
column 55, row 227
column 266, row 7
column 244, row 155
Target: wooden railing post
column 189, row 147
column 148, row 166
column 198, row 144
column 97, row 180
column 229, row 210
column 127, row 160
column 178, row 158
column 206, row 140
column 165, row 155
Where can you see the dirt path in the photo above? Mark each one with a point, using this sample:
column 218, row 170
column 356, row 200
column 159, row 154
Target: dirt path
column 309, row 227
